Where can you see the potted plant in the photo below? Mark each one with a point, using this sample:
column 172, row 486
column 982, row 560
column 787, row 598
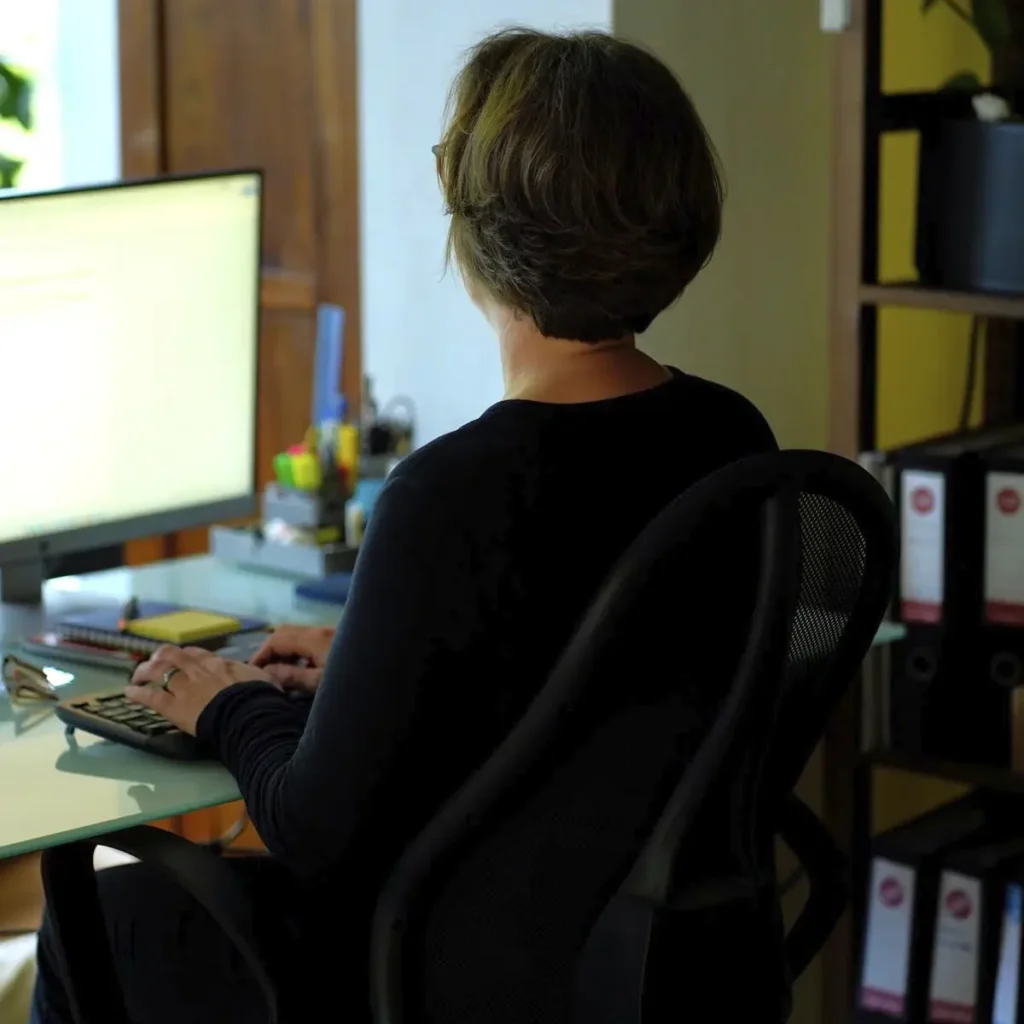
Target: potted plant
column 16, row 106
column 970, row 230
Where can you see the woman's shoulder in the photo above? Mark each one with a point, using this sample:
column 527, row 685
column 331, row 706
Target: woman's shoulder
column 452, row 461
column 718, row 422
column 726, row 411
column 510, row 439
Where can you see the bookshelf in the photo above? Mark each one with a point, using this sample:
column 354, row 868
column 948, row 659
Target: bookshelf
column 911, row 294
column 976, row 776
column 862, row 115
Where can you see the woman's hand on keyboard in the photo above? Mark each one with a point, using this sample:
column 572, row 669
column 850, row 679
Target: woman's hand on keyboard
column 294, row 656
column 178, row 682
column 294, row 677
column 292, row 644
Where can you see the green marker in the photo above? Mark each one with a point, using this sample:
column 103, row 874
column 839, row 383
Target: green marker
column 283, row 469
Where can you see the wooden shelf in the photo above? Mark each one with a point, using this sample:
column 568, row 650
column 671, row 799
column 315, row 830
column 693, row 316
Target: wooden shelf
column 1003, row 307
column 908, row 111
column 981, row 776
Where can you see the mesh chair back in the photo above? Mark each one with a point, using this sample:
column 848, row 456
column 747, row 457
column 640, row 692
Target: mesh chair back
column 615, row 854
column 842, row 574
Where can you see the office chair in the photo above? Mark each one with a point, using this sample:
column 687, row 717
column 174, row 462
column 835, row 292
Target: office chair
column 613, row 861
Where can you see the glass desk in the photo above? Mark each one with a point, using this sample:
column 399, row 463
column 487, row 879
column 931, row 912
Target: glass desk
column 889, row 633
column 52, row 791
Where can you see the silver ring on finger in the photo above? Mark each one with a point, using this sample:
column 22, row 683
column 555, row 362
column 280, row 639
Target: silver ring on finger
column 168, row 676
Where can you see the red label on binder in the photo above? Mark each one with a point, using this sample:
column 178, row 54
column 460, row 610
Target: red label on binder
column 945, row 1011
column 958, row 903
column 890, row 892
column 1004, row 613
column 921, row 611
column 879, row 1001
column 923, row 500
column 1008, row 501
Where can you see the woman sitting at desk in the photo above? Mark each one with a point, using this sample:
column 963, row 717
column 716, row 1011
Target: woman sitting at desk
column 583, row 197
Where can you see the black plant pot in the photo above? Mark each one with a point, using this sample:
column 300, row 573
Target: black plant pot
column 970, row 214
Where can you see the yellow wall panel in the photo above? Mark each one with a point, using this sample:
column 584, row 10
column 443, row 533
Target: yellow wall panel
column 922, row 51
column 922, row 356
column 922, row 368
column 898, row 797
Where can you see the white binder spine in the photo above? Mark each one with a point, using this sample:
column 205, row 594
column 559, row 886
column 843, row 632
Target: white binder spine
column 922, row 555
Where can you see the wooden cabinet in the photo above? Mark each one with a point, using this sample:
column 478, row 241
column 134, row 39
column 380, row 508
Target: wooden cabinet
column 270, row 84
column 213, row 84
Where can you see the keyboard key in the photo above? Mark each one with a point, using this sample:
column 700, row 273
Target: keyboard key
column 156, row 728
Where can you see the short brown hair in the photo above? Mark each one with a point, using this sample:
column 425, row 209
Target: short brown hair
column 582, row 187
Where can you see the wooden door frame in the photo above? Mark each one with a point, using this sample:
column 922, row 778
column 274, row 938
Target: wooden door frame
column 334, row 70
column 140, row 73
column 840, row 753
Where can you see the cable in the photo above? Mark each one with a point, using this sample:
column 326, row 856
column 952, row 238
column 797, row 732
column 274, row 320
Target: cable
column 971, row 381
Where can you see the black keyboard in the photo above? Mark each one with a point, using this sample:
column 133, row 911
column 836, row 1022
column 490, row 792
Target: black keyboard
column 114, row 717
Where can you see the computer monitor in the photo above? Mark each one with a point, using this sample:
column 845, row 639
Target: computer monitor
column 128, row 365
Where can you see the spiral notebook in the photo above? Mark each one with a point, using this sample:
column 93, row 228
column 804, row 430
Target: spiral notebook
column 97, row 637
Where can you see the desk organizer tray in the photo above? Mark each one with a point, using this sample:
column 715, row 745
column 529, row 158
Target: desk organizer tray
column 302, row 508
column 248, row 547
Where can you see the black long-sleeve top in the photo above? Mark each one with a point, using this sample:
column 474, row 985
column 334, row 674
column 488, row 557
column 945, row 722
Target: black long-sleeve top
column 480, row 557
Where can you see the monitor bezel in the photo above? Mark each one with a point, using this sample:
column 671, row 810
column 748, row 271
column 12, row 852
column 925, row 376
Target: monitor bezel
column 44, row 547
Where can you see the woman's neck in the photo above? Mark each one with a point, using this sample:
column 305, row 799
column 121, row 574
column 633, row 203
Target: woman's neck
column 562, row 371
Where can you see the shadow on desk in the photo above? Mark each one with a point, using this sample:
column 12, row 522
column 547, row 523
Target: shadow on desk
column 25, row 715
column 105, row 760
column 146, row 777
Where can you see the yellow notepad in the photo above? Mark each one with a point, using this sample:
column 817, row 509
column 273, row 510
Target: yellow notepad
column 184, row 627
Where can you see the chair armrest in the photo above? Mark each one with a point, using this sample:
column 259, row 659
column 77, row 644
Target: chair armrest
column 828, row 875
column 72, row 898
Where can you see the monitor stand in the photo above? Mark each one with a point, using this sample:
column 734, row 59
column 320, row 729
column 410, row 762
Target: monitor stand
column 22, row 582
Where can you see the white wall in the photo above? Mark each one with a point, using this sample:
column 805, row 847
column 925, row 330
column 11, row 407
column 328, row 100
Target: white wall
column 756, row 318
column 70, row 50
column 89, row 91
column 421, row 335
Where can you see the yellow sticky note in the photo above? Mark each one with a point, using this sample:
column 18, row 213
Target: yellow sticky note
column 184, row 627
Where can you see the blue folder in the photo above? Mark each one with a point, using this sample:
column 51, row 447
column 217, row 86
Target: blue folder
column 331, row 589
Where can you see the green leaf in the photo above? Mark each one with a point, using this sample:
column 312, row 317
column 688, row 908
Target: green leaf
column 927, row 5
column 24, row 111
column 963, row 81
column 9, row 171
column 15, row 97
column 992, row 22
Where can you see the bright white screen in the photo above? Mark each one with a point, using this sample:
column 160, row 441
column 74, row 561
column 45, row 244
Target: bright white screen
column 127, row 351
